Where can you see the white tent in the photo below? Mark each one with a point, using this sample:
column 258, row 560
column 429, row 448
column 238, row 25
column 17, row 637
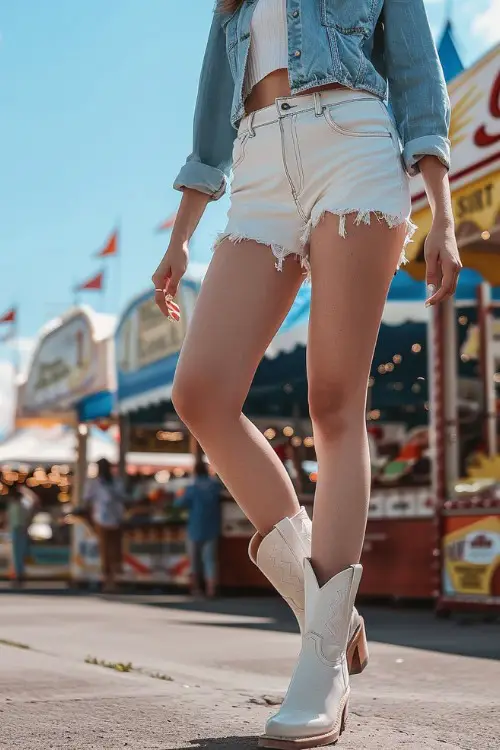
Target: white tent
column 53, row 445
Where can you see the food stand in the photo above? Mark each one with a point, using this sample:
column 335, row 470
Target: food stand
column 155, row 449
column 73, row 364
column 467, row 540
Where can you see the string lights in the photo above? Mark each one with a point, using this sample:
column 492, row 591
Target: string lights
column 56, row 477
column 171, row 437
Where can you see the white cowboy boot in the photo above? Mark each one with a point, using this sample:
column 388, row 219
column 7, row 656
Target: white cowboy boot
column 280, row 557
column 315, row 708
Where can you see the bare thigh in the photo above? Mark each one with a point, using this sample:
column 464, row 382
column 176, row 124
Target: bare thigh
column 242, row 303
column 350, row 281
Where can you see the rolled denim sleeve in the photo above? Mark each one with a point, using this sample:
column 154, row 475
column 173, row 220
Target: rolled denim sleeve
column 207, row 168
column 417, row 89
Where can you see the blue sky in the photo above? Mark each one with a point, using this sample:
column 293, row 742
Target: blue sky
column 97, row 103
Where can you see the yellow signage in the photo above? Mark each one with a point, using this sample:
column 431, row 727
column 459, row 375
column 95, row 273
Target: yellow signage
column 475, row 172
column 476, row 208
column 471, row 556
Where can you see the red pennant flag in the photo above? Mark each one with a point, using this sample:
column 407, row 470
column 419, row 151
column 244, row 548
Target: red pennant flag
column 96, row 282
column 9, row 316
column 167, row 224
column 111, row 246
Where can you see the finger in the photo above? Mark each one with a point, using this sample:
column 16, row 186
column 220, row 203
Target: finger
column 451, row 271
column 161, row 302
column 445, row 290
column 433, row 270
column 161, row 276
column 455, row 281
column 172, row 283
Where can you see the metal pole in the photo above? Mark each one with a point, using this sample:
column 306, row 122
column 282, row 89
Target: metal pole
column 487, row 360
column 124, row 426
column 450, row 372
column 81, row 435
column 436, row 411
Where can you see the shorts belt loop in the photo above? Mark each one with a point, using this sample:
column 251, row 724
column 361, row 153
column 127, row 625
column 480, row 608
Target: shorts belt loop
column 318, row 107
column 251, row 131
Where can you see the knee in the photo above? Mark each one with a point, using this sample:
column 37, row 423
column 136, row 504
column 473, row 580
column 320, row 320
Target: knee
column 334, row 408
column 200, row 400
column 189, row 398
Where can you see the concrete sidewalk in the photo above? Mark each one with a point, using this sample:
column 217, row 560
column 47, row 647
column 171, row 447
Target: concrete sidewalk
column 222, row 664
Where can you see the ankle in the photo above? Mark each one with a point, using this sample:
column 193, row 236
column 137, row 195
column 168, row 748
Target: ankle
column 325, row 573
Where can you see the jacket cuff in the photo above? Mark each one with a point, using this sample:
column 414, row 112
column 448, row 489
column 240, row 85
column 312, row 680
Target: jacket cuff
column 202, row 177
column 427, row 145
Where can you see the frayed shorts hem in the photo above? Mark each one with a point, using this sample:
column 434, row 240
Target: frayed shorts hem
column 281, row 252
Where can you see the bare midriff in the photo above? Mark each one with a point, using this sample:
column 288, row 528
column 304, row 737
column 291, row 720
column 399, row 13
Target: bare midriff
column 275, row 86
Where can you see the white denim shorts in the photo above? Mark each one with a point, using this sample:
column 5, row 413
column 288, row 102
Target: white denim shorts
column 336, row 151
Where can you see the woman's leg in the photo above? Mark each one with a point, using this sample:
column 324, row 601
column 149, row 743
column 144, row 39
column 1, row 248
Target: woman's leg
column 105, row 558
column 17, row 546
column 115, row 542
column 194, row 568
column 350, row 280
column 242, row 303
column 210, row 566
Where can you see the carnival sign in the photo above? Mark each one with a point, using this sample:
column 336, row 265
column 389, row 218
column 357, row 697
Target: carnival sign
column 157, row 337
column 474, row 127
column 474, row 174
column 147, row 348
column 64, row 367
column 471, row 556
column 146, row 336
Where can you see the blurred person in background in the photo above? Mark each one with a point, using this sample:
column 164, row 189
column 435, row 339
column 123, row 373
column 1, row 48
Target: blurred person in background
column 21, row 504
column 202, row 501
column 105, row 498
column 321, row 111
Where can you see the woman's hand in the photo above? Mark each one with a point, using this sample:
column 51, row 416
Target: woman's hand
column 441, row 251
column 443, row 262
column 173, row 266
column 167, row 276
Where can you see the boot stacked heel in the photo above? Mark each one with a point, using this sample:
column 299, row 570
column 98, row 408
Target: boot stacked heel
column 357, row 650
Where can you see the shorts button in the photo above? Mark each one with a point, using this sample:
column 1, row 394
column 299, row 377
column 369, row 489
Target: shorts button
column 285, row 105
column 297, row 53
column 295, row 14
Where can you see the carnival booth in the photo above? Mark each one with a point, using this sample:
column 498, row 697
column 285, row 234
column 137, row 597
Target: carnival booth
column 468, row 521
column 156, row 451
column 71, row 379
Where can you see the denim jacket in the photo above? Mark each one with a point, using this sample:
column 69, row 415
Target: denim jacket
column 381, row 46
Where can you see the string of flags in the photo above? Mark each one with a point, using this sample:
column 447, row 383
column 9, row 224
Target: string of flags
column 111, row 249
column 9, row 316
column 96, row 282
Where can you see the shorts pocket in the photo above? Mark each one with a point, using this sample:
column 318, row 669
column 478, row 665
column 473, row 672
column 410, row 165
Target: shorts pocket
column 239, row 150
column 364, row 117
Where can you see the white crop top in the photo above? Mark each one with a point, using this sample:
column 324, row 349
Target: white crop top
column 268, row 41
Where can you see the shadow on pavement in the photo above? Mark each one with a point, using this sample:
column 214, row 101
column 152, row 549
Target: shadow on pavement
column 414, row 627
column 410, row 626
column 464, row 635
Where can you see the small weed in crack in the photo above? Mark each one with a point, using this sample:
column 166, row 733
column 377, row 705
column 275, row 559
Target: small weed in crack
column 14, row 644
column 155, row 675
column 118, row 666
column 127, row 667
